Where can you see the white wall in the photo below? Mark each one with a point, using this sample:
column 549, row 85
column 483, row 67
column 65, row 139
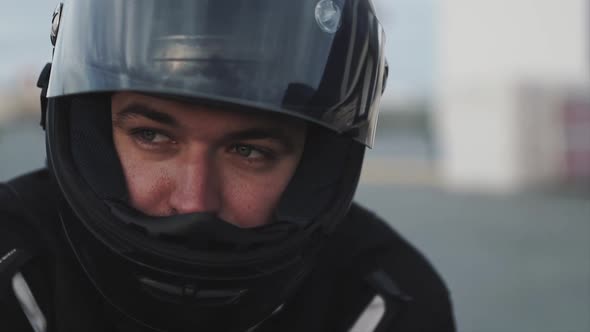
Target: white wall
column 490, row 55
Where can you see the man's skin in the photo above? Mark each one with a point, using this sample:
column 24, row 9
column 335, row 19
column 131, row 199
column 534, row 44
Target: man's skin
column 181, row 158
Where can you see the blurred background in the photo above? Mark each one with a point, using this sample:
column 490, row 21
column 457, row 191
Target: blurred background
column 482, row 157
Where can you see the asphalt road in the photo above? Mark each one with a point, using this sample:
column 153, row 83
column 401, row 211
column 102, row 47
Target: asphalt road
column 518, row 263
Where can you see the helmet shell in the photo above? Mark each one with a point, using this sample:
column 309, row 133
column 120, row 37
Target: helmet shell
column 321, row 60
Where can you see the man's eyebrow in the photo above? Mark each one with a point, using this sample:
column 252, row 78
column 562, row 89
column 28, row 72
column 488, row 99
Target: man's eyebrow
column 147, row 112
column 263, row 133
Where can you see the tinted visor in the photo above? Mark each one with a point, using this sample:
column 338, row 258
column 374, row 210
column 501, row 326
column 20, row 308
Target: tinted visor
column 310, row 58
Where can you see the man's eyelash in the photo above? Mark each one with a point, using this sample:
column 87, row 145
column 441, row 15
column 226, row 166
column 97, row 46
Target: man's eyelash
column 266, row 153
column 137, row 132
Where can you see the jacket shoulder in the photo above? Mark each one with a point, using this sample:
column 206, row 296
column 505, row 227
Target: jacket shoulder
column 27, row 203
column 339, row 289
column 373, row 236
column 24, row 207
column 29, row 194
column 380, row 246
column 37, row 184
column 21, row 200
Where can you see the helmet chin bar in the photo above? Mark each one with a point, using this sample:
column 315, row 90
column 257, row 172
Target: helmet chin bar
column 195, row 298
column 202, row 231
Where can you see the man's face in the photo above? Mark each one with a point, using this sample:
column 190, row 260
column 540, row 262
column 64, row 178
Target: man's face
column 180, row 158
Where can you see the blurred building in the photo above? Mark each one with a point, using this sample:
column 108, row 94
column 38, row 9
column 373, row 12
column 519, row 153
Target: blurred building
column 512, row 93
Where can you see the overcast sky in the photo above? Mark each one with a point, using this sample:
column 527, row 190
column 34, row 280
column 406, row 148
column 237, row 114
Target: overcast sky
column 24, row 36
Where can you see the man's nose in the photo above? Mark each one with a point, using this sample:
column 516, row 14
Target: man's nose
column 196, row 187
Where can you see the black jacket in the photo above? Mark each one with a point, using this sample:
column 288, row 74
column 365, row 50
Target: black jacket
column 362, row 258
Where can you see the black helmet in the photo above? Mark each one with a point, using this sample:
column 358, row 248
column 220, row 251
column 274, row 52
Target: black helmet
column 318, row 60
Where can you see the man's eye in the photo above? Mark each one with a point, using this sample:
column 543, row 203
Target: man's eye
column 247, row 151
column 151, row 136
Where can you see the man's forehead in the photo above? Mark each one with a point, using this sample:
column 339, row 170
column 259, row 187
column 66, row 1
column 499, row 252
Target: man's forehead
column 125, row 103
